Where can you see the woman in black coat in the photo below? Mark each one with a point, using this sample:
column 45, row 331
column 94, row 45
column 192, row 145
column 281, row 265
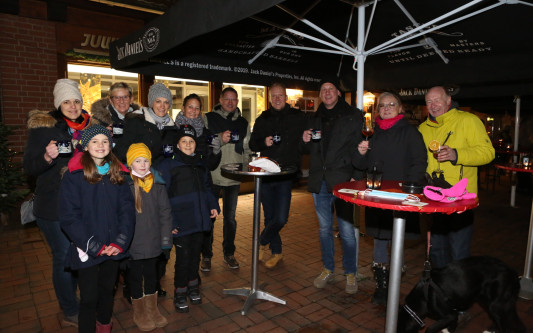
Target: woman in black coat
column 397, row 150
column 43, row 160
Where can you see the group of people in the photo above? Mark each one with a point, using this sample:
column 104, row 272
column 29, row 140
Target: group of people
column 138, row 182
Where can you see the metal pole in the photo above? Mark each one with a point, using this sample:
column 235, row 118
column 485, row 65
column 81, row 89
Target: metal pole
column 360, row 56
column 393, row 300
column 526, row 283
column 257, row 218
column 515, row 149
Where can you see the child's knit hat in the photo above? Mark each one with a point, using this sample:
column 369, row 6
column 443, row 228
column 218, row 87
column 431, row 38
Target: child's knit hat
column 137, row 150
column 92, row 131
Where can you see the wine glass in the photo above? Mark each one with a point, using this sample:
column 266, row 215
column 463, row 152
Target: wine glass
column 434, row 147
column 368, row 127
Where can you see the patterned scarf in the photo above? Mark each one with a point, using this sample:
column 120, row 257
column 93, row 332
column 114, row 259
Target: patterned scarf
column 197, row 123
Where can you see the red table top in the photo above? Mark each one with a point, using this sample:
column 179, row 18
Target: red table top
column 514, row 167
column 394, row 186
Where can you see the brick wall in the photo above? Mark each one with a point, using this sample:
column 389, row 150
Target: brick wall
column 28, row 71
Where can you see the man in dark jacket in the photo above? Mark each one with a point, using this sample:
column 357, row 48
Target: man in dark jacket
column 276, row 135
column 330, row 164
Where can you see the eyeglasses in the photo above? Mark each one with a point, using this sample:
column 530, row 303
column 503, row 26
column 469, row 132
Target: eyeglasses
column 122, row 98
column 388, row 105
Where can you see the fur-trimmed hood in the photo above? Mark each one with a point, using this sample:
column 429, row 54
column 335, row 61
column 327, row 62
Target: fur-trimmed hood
column 101, row 114
column 38, row 118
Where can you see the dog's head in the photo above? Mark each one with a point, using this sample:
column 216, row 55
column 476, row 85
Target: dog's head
column 412, row 314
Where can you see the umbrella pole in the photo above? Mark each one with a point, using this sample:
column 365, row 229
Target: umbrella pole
column 360, row 56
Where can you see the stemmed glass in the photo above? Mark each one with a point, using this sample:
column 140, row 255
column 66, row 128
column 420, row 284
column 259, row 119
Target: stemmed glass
column 368, row 127
column 434, row 147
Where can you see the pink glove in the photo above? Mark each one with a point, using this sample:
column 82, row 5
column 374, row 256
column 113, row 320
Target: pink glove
column 456, row 192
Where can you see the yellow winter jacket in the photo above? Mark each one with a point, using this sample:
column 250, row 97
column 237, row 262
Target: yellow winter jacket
column 468, row 137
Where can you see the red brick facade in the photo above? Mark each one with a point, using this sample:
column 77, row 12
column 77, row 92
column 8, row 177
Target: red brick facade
column 28, row 71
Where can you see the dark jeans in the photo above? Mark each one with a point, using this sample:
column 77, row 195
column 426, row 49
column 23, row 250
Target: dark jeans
column 276, row 201
column 139, row 271
column 230, row 195
column 188, row 250
column 65, row 282
column 96, row 294
column 450, row 237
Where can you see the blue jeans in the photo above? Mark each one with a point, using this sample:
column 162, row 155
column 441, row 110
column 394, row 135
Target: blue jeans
column 381, row 250
column 230, row 195
column 450, row 237
column 324, row 210
column 276, row 201
column 65, row 282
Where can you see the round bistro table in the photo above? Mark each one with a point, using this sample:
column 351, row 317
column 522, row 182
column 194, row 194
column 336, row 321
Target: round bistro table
column 526, row 281
column 254, row 292
column 393, row 298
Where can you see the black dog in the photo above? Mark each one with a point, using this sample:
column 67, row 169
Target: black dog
column 455, row 288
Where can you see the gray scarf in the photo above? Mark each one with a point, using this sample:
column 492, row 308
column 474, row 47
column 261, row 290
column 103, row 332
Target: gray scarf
column 159, row 121
column 197, row 123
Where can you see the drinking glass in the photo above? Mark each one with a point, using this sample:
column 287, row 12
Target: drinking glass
column 434, row 147
column 368, row 127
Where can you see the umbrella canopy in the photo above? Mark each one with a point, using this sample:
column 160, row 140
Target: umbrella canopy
column 480, row 48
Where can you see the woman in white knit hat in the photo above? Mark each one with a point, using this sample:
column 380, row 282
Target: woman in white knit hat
column 52, row 139
column 150, row 125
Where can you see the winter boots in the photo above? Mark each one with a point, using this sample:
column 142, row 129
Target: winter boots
column 150, row 305
column 381, row 275
column 146, row 315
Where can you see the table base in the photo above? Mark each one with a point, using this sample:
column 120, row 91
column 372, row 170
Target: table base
column 251, row 296
column 526, row 288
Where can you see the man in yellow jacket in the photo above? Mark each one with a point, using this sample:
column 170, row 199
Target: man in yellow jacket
column 465, row 145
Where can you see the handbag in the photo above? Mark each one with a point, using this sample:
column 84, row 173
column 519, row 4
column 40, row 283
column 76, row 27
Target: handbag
column 26, row 211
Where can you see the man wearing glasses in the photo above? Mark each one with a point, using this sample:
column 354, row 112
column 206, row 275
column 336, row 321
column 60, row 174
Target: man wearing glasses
column 227, row 121
column 110, row 112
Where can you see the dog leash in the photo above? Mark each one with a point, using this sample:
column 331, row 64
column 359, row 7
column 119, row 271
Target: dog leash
column 413, row 315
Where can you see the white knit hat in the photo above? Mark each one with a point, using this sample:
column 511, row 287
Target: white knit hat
column 159, row 90
column 64, row 90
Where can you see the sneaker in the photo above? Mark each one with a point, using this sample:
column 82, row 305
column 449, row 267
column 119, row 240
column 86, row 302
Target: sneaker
column 231, row 261
column 70, row 321
column 262, row 249
column 351, row 284
column 324, row 277
column 180, row 302
column 194, row 296
column 273, row 261
column 206, row 264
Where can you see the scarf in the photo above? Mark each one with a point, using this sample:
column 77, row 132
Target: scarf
column 82, row 124
column 159, row 121
column 75, row 128
column 104, row 169
column 197, row 123
column 385, row 124
column 145, row 182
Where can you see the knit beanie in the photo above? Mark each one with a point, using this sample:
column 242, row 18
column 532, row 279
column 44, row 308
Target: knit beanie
column 333, row 80
column 159, row 90
column 92, row 131
column 64, row 90
column 186, row 130
column 137, row 150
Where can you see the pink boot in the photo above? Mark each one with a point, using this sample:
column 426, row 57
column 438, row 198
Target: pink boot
column 101, row 328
